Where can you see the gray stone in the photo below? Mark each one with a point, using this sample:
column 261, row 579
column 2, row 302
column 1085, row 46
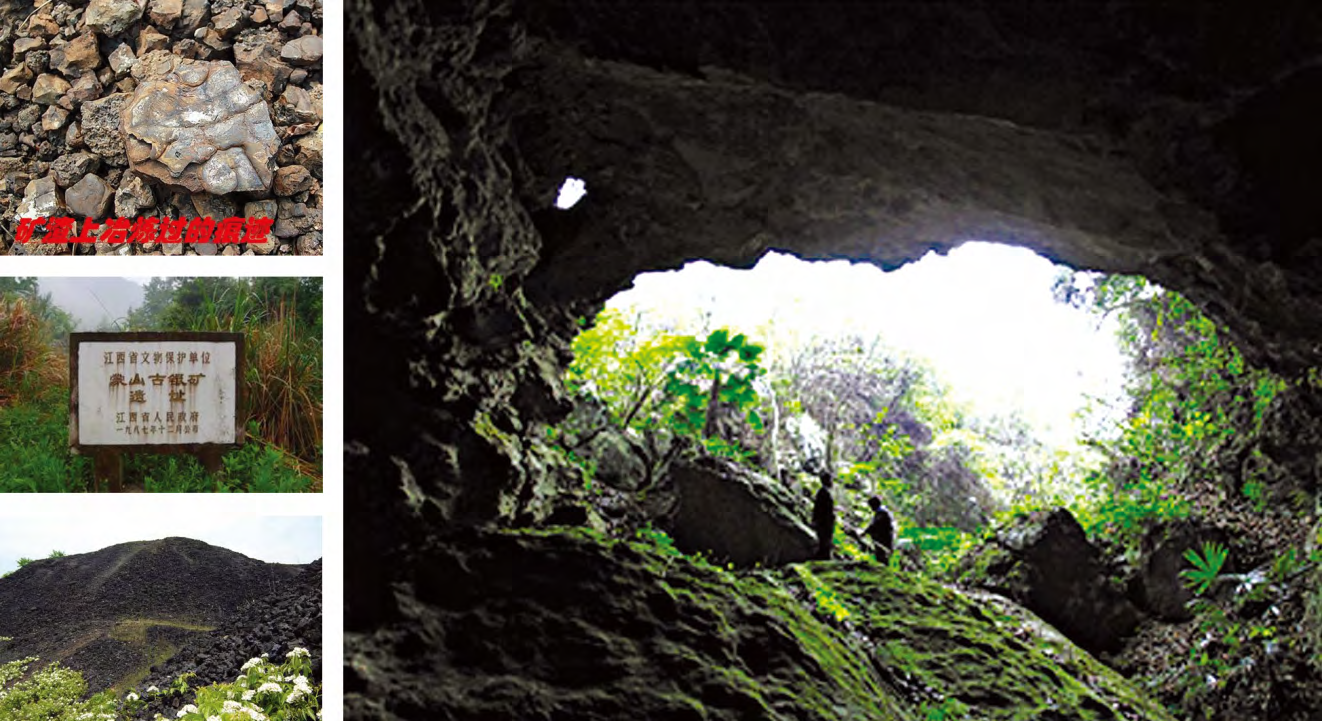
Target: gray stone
column 194, row 14
column 49, row 89
column 122, row 59
column 262, row 209
column 735, row 515
column 302, row 51
column 100, row 126
column 71, row 167
column 310, row 152
column 133, row 197
column 86, row 87
column 89, row 197
column 1043, row 560
column 73, row 136
column 309, row 243
column 111, row 17
column 195, row 125
column 23, row 45
column 54, row 118
column 292, row 219
column 41, row 199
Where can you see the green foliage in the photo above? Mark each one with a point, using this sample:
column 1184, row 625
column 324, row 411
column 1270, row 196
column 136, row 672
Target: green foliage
column 1207, row 567
column 948, row 710
column 34, row 443
column 941, row 547
column 265, row 690
column 278, row 692
column 1188, row 387
column 51, row 693
column 56, row 554
column 668, row 383
column 828, row 601
column 281, row 318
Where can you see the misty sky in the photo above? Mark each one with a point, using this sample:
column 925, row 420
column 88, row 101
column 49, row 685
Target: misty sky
column 93, row 300
column 276, row 539
column 983, row 315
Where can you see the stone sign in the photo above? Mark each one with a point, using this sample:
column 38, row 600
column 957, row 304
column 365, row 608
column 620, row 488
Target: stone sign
column 161, row 392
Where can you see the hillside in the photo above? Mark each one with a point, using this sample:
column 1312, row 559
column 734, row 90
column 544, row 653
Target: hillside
column 114, row 613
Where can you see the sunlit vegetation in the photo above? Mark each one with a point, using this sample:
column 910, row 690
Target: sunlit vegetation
column 264, row 689
column 1185, row 444
column 281, row 319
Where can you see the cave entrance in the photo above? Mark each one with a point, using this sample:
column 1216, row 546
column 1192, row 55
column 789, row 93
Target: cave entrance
column 954, row 388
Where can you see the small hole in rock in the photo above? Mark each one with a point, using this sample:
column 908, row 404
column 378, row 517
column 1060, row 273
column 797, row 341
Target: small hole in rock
column 571, row 191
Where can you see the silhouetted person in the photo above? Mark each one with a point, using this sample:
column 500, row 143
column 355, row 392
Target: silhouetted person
column 881, row 530
column 823, row 518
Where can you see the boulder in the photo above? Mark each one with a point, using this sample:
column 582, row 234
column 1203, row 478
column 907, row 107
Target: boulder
column 1044, row 562
column 735, row 515
column 1161, row 588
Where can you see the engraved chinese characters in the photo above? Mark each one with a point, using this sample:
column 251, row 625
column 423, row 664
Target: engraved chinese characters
column 155, row 390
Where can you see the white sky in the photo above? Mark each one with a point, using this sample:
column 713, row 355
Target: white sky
column 983, row 316
column 276, row 539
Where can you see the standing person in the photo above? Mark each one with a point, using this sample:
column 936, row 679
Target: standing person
column 881, row 530
column 823, row 518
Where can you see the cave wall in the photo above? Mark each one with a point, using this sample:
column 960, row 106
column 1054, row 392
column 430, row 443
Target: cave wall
column 1173, row 139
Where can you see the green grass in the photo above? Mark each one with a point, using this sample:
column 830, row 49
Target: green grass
column 133, row 631
column 35, row 458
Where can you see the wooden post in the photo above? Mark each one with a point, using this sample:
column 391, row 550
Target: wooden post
column 211, row 463
column 108, row 466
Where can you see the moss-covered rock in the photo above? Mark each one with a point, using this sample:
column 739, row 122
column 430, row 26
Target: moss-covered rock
column 570, row 625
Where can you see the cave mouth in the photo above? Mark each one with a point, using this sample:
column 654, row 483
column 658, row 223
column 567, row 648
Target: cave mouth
column 965, row 375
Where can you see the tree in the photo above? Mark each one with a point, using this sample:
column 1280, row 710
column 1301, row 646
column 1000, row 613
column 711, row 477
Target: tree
column 156, row 299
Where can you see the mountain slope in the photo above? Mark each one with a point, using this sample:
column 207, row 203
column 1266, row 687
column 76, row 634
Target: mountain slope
column 114, row 613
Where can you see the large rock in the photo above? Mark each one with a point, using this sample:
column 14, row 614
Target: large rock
column 41, row 199
column 112, row 17
column 1163, row 591
column 1043, row 561
column 735, row 515
column 89, row 197
column 196, row 125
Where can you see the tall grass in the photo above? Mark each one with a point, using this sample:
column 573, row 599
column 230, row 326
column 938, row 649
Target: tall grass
column 282, row 383
column 30, row 362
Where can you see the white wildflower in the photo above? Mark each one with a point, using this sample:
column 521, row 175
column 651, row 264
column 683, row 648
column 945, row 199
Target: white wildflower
column 190, row 708
column 153, row 689
column 247, row 695
column 251, row 662
column 269, row 687
column 131, row 696
column 298, row 652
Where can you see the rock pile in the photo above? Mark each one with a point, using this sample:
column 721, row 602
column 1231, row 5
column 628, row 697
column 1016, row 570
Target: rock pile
column 288, row 618
column 175, row 109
